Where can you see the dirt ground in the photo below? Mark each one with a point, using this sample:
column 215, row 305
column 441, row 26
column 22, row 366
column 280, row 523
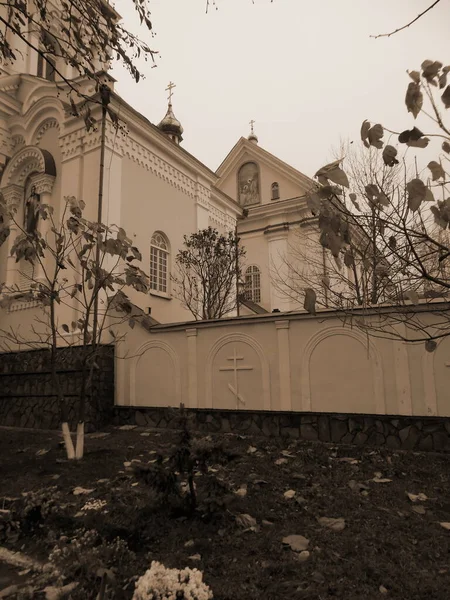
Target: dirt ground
column 392, row 546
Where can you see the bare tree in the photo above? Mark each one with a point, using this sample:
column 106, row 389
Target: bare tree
column 207, row 271
column 412, row 237
column 419, row 16
column 75, row 264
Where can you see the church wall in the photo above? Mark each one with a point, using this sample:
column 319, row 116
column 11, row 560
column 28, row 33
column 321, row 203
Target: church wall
column 151, row 204
column 267, row 176
column 289, row 362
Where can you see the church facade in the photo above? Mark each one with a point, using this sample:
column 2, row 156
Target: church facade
column 152, row 187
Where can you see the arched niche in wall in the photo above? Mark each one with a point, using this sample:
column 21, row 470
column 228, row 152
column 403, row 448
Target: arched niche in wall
column 155, row 376
column 341, row 372
column 249, row 184
column 237, row 374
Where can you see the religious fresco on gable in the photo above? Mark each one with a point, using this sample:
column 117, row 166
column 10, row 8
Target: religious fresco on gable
column 248, row 184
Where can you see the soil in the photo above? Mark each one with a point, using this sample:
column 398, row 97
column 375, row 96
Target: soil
column 389, row 547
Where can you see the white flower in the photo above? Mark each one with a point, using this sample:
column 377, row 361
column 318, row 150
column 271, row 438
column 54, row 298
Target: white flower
column 160, row 583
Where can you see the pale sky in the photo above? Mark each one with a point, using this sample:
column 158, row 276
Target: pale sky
column 307, row 72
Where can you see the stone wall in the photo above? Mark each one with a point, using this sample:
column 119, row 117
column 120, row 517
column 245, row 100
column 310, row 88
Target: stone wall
column 27, row 397
column 396, row 432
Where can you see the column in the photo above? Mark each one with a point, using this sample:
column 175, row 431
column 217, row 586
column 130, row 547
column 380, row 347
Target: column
column 191, row 335
column 277, row 239
column 13, row 195
column 284, row 361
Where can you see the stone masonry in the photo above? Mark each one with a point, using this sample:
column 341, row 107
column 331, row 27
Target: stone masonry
column 27, row 397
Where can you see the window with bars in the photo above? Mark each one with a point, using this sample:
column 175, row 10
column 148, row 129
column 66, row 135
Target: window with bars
column 253, row 284
column 159, row 261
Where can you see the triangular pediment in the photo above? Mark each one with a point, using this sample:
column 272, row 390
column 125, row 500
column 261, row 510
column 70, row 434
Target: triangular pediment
column 292, row 183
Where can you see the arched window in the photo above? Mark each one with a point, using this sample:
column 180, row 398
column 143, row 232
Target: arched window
column 159, row 263
column 275, row 191
column 46, row 67
column 253, row 284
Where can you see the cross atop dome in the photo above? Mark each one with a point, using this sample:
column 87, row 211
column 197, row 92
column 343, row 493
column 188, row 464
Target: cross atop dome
column 170, row 125
column 169, row 89
column 252, row 137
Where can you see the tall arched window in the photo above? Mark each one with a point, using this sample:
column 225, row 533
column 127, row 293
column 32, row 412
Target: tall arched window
column 46, row 67
column 253, row 284
column 159, row 263
column 275, row 191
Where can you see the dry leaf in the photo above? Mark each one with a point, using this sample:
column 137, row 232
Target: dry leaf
column 42, row 452
column 79, row 491
column 417, row 497
column 281, row 461
column 251, row 450
column 437, row 172
column 414, row 98
column 419, row 509
column 297, row 543
column 289, row 494
column 445, row 525
column 334, row 524
column 244, row 520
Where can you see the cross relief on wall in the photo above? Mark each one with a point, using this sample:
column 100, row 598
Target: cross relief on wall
column 235, row 368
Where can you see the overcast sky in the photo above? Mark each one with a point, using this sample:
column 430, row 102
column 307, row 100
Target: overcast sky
column 307, row 72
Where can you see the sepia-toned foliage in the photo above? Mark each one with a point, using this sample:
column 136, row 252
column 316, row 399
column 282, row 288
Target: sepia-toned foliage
column 397, row 235
column 207, row 270
column 75, row 264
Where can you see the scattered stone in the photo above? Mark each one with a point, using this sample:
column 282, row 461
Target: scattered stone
column 297, row 543
column 195, row 557
column 334, row 524
column 246, row 521
column 303, row 556
column 289, row 494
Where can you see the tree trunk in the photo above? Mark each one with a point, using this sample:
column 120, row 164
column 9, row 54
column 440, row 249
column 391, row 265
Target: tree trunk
column 70, row 451
column 79, row 453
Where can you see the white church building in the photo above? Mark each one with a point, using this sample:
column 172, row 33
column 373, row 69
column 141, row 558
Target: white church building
column 158, row 192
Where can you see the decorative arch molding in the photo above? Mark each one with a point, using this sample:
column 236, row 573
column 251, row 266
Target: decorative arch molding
column 245, row 339
column 160, row 345
column 26, row 161
column 377, row 369
column 39, row 106
column 50, row 123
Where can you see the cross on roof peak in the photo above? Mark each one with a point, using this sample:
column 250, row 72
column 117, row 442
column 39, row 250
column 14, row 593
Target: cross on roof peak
column 169, row 89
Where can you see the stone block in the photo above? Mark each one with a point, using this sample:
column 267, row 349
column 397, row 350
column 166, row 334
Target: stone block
column 290, row 432
column 309, row 419
column 368, row 423
column 354, row 424
column 403, row 433
column 376, row 439
column 412, row 438
column 338, row 430
column 270, row 426
column 348, row 438
column 447, row 425
column 308, row 432
column 426, row 443
column 225, row 427
column 379, row 426
column 432, row 427
column 393, row 442
column 140, row 418
column 441, row 441
column 324, row 428
column 360, row 438
column 419, row 425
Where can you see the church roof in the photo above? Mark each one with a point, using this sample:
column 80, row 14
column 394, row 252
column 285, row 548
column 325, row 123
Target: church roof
column 256, row 150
